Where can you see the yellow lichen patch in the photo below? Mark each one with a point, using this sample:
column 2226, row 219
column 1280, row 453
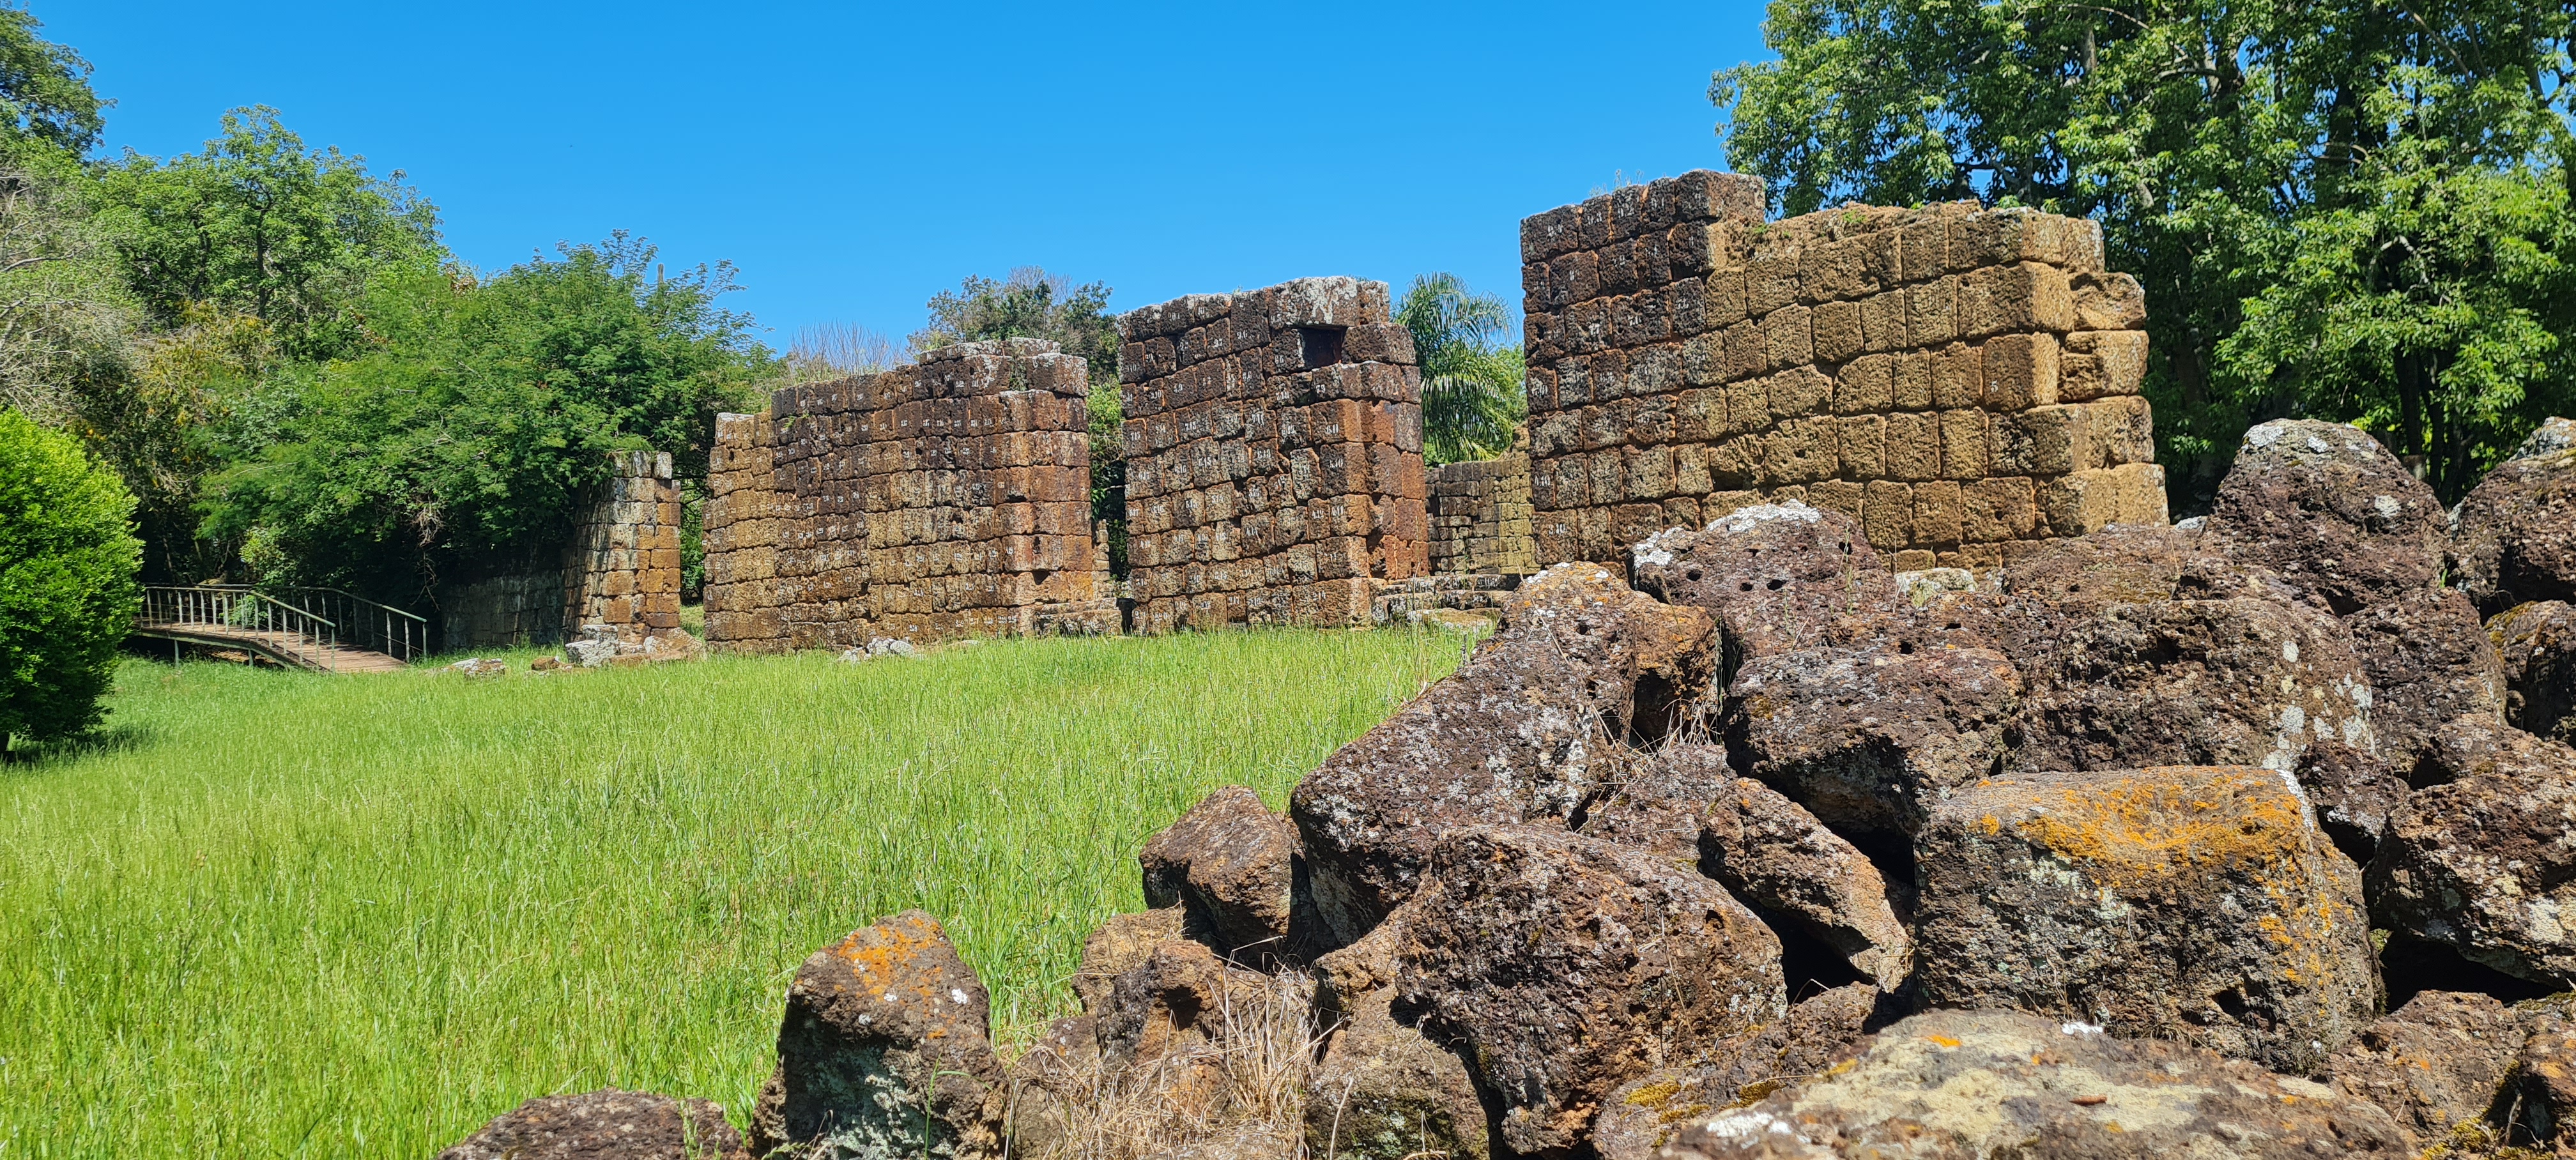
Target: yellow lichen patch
column 1654, row 1094
column 2147, row 828
column 1942, row 1040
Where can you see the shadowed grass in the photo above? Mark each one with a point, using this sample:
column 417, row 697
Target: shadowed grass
column 296, row 915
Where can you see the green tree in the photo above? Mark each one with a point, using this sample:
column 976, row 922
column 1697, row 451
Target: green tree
column 45, row 96
column 67, row 588
column 257, row 224
column 1473, row 395
column 2350, row 210
column 464, row 437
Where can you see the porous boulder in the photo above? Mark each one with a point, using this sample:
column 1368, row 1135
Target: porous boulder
column 2330, row 511
column 1868, row 738
column 1172, row 1002
column 2487, row 864
column 885, row 1051
column 1057, row 1074
column 2196, row 904
column 607, row 1124
column 1641, row 1117
column 2428, row 661
column 1384, row 1091
column 2434, row 1063
column 2536, row 646
column 1230, row 864
column 1527, row 729
column 1774, row 575
column 1564, row 966
column 1770, row 852
column 1979, row 1085
column 2514, row 539
column 1119, row 944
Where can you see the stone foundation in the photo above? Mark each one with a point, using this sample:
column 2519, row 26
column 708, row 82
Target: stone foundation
column 946, row 499
column 1274, row 456
column 1958, row 380
column 1480, row 517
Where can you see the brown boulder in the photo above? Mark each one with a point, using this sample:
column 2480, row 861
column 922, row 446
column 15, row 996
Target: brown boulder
column 1641, row 1117
column 2198, row 904
column 2428, row 661
column 1058, row 1073
column 1229, row 863
column 1868, row 738
column 604, row 1125
column 2353, row 793
column 2515, row 538
column 1563, row 967
column 1770, row 852
column 1525, row 731
column 2434, row 1063
column 1119, row 944
column 2538, row 1103
column 1171, row 1004
column 2487, row 865
column 2332, row 512
column 1658, row 799
column 885, row 1050
column 1774, row 575
column 1982, row 1085
column 2537, row 643
column 1384, row 1091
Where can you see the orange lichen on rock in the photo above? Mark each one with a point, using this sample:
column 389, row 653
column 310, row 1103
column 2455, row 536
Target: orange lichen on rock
column 2137, row 829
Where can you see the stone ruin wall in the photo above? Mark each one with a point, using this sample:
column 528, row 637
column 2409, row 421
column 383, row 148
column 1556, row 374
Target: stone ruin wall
column 951, row 498
column 1274, row 456
column 1960, row 381
column 1481, row 517
column 620, row 568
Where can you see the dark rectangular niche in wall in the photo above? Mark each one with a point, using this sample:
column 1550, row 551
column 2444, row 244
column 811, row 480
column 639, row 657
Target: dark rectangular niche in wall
column 1321, row 346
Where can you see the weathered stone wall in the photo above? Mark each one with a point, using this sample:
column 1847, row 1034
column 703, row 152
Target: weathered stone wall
column 622, row 568
column 1274, row 456
column 946, row 499
column 1480, row 517
column 501, row 612
column 1959, row 381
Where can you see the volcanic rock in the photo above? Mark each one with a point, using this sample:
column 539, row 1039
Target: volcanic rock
column 885, row 1051
column 1772, row 574
column 1564, row 966
column 1641, row 1117
column 2514, row 539
column 1384, row 1091
column 2196, row 904
column 605, row 1125
column 1230, row 864
column 1526, row 730
column 1978, row 1085
column 2537, row 647
column 2435, row 1062
column 2487, row 865
column 1119, row 944
column 2428, row 660
column 1868, row 738
column 1770, row 852
column 2332, row 512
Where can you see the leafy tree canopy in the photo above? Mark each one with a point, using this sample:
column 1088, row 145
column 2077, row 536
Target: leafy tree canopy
column 1473, row 397
column 67, row 590
column 474, row 420
column 45, row 96
column 257, row 224
column 2348, row 210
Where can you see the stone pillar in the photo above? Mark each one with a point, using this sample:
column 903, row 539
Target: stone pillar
column 622, row 566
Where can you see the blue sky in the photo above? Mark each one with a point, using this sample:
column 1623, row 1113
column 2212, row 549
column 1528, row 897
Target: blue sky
column 852, row 160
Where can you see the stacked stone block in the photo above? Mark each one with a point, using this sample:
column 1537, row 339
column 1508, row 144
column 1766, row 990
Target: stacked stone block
column 1480, row 517
column 1961, row 381
column 1274, row 456
column 945, row 499
column 622, row 566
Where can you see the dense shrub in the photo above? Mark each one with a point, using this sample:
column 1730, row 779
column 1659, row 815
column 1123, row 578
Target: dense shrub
column 67, row 581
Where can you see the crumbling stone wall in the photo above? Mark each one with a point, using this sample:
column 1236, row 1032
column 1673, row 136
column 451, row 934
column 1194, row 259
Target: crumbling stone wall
column 945, row 499
column 1480, row 517
column 1274, row 456
column 622, row 568
column 1960, row 381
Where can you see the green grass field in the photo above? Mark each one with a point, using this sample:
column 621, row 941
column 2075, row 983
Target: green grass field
column 277, row 914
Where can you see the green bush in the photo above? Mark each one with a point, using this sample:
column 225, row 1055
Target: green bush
column 67, row 587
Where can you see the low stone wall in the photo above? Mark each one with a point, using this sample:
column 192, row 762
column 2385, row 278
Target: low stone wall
column 945, row 499
column 502, row 612
column 622, row 568
column 1274, row 456
column 1480, row 517
column 1958, row 380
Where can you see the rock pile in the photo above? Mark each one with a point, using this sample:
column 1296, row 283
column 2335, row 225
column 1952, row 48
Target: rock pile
column 2248, row 839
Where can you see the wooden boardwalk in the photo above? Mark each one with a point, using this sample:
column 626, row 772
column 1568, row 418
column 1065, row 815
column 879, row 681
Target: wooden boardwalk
column 285, row 648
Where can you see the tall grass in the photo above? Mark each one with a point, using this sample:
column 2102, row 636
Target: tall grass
column 289, row 915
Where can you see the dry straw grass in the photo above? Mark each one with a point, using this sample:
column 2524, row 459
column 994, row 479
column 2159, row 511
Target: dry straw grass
column 1240, row 1094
